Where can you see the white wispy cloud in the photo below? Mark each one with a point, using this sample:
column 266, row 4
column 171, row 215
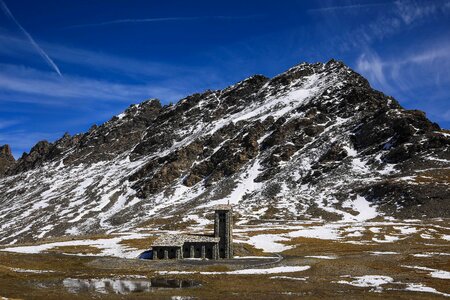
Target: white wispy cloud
column 104, row 63
column 31, row 85
column 434, row 56
column 408, row 73
column 14, row 46
column 399, row 16
column 157, row 20
column 418, row 78
column 8, row 123
column 39, row 50
column 446, row 115
column 134, row 79
column 370, row 64
column 412, row 10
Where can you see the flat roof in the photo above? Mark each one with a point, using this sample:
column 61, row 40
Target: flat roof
column 177, row 240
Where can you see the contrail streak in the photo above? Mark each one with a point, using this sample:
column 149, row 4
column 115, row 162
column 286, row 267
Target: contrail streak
column 343, row 7
column 41, row 52
column 168, row 19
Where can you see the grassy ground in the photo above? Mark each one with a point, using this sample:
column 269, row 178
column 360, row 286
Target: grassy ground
column 141, row 244
column 319, row 281
column 84, row 250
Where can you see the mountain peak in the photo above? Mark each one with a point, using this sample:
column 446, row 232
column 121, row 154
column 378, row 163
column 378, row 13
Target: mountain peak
column 5, row 151
column 6, row 159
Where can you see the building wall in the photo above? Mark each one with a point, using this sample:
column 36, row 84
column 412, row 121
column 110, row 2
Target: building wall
column 167, row 252
column 189, row 250
column 200, row 250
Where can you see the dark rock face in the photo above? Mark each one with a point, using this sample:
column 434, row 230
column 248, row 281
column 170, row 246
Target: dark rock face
column 38, row 154
column 6, row 159
column 298, row 144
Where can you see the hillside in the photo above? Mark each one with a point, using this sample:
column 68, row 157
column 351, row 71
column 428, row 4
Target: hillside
column 313, row 142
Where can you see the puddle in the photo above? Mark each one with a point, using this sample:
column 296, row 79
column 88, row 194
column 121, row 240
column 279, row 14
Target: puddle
column 123, row 285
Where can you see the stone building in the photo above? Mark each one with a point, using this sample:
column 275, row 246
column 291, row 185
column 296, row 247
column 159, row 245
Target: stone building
column 219, row 245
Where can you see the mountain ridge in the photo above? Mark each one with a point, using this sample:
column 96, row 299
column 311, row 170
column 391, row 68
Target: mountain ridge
column 314, row 141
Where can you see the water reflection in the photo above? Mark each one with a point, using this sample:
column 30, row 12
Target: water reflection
column 123, row 286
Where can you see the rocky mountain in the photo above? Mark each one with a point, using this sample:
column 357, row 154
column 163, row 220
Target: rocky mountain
column 313, row 142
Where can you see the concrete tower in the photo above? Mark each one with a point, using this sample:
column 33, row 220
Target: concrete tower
column 223, row 229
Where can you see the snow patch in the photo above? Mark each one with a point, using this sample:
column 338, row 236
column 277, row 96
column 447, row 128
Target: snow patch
column 274, row 270
column 109, row 247
column 19, row 270
column 322, row 256
column 374, row 281
column 383, row 253
column 365, row 210
column 433, row 272
column 418, row 287
column 290, row 278
column 269, row 242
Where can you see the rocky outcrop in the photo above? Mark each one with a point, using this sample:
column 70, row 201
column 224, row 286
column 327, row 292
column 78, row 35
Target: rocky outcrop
column 38, row 154
column 6, row 159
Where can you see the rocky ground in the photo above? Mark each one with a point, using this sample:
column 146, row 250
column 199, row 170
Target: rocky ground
column 383, row 259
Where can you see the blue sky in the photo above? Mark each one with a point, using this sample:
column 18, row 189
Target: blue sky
column 65, row 65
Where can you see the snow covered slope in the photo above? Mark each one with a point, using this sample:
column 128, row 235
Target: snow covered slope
column 314, row 142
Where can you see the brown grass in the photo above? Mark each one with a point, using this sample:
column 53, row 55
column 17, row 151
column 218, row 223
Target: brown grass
column 267, row 231
column 81, row 249
column 436, row 176
column 141, row 244
column 311, row 246
column 173, row 223
column 217, row 268
column 270, row 212
column 241, row 249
